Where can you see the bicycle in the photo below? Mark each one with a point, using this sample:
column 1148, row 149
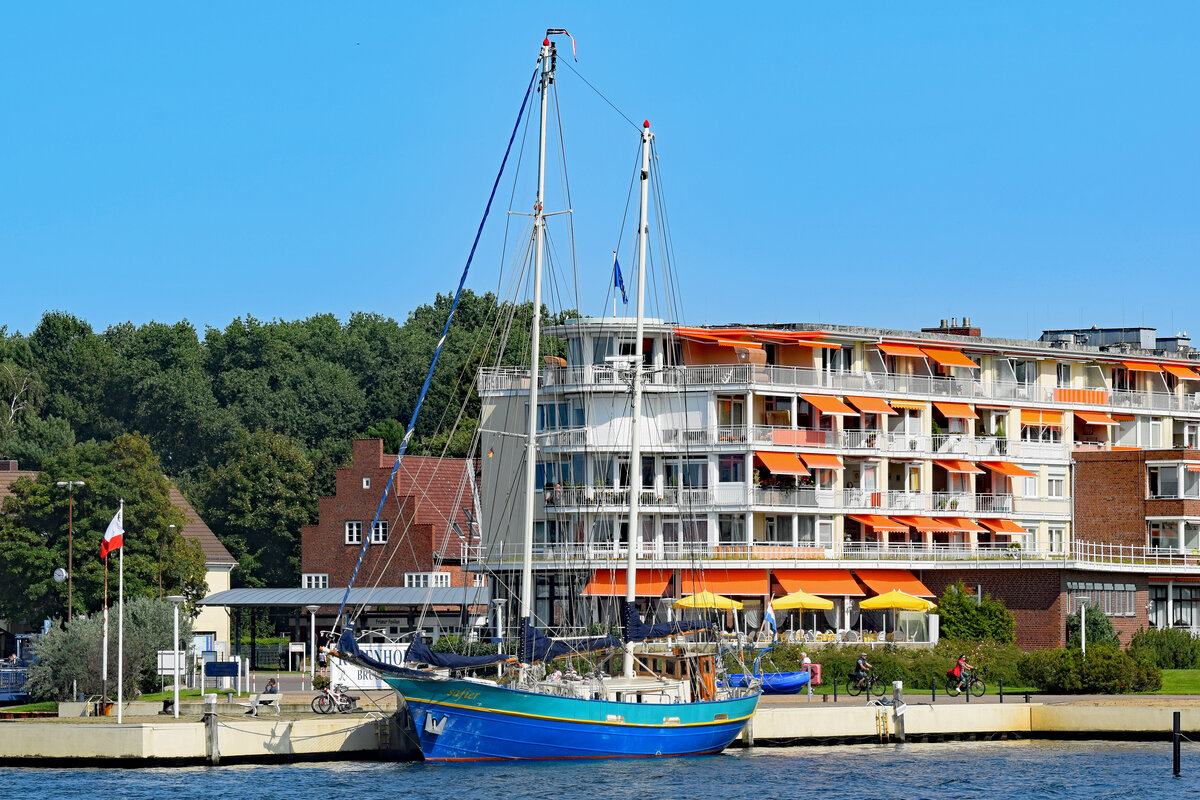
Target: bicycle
column 872, row 683
column 336, row 699
column 970, row 683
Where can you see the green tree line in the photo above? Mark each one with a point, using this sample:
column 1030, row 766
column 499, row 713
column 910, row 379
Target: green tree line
column 251, row 421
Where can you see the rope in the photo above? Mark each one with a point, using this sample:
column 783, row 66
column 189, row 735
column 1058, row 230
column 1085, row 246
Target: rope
column 412, row 423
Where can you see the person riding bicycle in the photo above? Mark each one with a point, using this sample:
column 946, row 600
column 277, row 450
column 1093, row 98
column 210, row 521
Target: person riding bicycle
column 861, row 668
column 961, row 667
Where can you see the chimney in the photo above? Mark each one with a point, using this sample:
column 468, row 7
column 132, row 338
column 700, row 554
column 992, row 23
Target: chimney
column 8, row 465
column 953, row 328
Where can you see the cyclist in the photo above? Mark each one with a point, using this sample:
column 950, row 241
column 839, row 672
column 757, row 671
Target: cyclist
column 861, row 668
column 961, row 667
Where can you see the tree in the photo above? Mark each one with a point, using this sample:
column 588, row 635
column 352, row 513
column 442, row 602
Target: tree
column 34, row 536
column 964, row 618
column 256, row 502
column 1099, row 628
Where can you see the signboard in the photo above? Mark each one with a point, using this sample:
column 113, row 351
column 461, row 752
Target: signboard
column 354, row 677
column 166, row 662
column 221, row 669
column 296, row 647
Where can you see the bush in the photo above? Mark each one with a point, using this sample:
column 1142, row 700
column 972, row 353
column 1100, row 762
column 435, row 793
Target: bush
column 460, row 646
column 1104, row 669
column 962, row 618
column 1099, row 628
column 1169, row 648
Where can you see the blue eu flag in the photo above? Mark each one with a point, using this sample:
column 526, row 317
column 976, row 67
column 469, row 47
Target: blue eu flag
column 618, row 281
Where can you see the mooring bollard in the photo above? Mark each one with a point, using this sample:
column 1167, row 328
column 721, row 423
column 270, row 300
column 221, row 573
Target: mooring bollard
column 210, row 724
column 898, row 709
column 835, row 683
column 1175, row 736
column 933, row 690
column 1027, row 698
column 1001, row 680
column 968, row 693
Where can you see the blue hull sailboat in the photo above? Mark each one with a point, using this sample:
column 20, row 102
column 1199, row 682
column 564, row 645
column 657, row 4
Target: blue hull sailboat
column 666, row 701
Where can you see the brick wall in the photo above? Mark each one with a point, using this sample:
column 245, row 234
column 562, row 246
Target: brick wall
column 1110, row 497
column 1035, row 596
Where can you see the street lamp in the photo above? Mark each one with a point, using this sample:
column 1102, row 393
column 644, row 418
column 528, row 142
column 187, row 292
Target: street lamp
column 1082, row 624
column 175, row 600
column 160, row 549
column 70, row 538
column 312, row 638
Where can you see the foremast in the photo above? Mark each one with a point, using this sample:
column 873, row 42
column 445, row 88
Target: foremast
column 548, row 59
column 635, row 444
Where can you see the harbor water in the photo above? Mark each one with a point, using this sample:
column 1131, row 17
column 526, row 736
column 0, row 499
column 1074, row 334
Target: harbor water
column 994, row 770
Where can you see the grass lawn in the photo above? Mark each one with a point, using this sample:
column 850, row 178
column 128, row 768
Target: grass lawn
column 1180, row 681
column 184, row 694
column 48, row 705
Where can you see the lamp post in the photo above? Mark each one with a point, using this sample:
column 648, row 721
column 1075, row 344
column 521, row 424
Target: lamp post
column 1082, row 624
column 161, row 543
column 312, row 638
column 70, row 486
column 175, row 600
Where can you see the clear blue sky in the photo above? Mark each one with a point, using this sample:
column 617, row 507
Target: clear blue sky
column 1031, row 165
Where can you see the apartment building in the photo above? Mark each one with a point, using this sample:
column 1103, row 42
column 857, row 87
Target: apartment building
column 840, row 460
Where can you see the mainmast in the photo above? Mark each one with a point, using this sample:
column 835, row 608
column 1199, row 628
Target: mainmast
column 548, row 59
column 635, row 445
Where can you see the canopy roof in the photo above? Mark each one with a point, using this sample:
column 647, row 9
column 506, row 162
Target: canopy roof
column 611, row 583
column 882, row 581
column 380, row 596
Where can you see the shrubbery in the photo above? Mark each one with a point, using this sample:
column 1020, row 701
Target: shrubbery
column 965, row 619
column 1099, row 628
column 1169, row 648
column 1105, row 668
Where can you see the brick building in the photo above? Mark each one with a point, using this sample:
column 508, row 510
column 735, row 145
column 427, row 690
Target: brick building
column 422, row 537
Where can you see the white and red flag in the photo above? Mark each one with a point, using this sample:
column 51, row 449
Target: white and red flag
column 114, row 536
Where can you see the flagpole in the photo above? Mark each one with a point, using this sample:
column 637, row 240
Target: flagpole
column 104, row 644
column 614, row 281
column 121, row 619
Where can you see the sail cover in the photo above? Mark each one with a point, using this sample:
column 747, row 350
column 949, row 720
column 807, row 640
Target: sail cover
column 417, row 652
column 638, row 631
column 537, row 646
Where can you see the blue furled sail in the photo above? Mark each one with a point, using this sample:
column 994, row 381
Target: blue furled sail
column 537, row 646
column 419, row 652
column 638, row 631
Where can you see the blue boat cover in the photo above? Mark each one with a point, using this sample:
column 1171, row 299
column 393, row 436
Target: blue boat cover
column 638, row 631
column 418, row 651
column 537, row 646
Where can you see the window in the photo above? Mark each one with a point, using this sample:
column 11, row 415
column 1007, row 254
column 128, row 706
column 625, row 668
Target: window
column 1161, row 535
column 1191, row 481
column 353, row 532
column 315, row 580
column 1164, row 481
column 825, row 532
column 1026, row 486
column 731, row 529
column 837, row 360
column 426, row 580
column 1064, row 376
column 1184, row 599
column 379, row 532
column 479, row 579
column 1056, row 538
column 1114, row 599
column 1026, row 372
column 778, row 529
column 366, row 483
column 732, row 469
column 1056, row 485
column 731, row 411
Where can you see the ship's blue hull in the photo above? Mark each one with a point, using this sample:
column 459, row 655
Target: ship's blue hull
column 464, row 721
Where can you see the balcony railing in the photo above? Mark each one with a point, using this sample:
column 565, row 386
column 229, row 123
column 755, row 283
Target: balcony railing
column 1134, row 555
column 572, row 497
column 934, row 386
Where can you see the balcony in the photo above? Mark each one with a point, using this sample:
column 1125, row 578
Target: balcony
column 500, row 379
column 802, row 497
column 575, row 498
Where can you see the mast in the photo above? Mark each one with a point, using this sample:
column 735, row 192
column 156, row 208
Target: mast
column 635, row 445
column 539, row 234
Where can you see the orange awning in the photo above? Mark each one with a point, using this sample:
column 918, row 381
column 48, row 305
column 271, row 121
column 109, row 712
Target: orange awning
column 1187, row 373
column 1122, row 417
column 955, row 465
column 821, row 460
column 964, row 524
column 740, row 582
column 1141, row 366
column 611, row 583
column 1003, row 526
column 1011, row 470
column 1192, row 467
column 878, row 522
column 956, row 410
column 829, row 405
column 1052, row 419
column 881, row 581
column 895, row 349
column 949, row 358
column 870, row 405
column 826, row 582
column 781, row 463
column 1095, row 418
column 926, row 524
column 907, row 404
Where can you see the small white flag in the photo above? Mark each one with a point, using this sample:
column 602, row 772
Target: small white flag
column 114, row 536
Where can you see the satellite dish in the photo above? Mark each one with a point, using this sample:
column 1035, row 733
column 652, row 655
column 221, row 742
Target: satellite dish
column 60, row 575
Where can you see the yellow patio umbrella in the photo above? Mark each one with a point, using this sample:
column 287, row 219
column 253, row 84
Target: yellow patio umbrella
column 706, row 599
column 803, row 601
column 897, row 599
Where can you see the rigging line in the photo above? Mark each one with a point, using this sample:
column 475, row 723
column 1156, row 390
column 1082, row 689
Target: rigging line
column 562, row 149
column 412, row 423
column 511, row 197
column 579, row 75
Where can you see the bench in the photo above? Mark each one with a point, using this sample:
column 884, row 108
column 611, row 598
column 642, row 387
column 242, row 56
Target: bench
column 262, row 699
